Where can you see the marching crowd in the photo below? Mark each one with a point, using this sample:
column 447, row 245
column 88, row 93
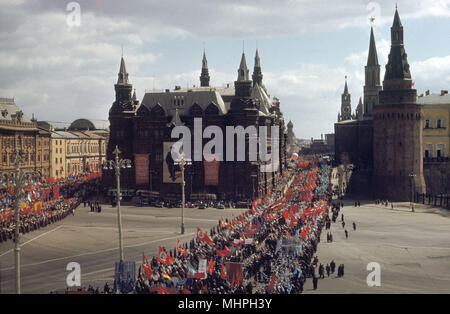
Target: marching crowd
column 55, row 200
column 268, row 249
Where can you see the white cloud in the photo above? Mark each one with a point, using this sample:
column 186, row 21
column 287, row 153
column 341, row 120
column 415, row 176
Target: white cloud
column 63, row 73
column 432, row 74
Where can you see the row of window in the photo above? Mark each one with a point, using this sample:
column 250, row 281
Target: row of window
column 430, row 150
column 26, row 158
column 83, row 148
column 430, row 125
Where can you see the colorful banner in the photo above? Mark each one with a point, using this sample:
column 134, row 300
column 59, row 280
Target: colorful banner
column 211, row 170
column 141, row 162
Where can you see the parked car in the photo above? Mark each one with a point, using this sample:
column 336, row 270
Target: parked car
column 220, row 206
column 202, row 206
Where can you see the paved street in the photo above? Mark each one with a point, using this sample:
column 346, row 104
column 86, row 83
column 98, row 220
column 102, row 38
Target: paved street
column 413, row 250
column 91, row 239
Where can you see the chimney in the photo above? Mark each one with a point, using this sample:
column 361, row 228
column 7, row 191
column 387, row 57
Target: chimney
column 177, row 87
column 427, row 93
column 444, row 92
column 167, row 90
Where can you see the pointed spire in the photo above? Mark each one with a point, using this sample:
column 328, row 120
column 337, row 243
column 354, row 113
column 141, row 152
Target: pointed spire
column 204, row 61
column 346, row 87
column 123, row 75
column 397, row 22
column 257, row 73
column 243, row 70
column 204, row 77
column 397, row 30
column 372, row 59
column 257, row 60
column 134, row 95
column 397, row 68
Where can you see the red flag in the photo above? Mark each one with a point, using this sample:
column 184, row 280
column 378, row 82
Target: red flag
column 210, row 268
column 203, row 236
column 223, row 274
column 180, row 248
column 303, row 234
column 272, row 281
column 227, row 225
column 146, row 266
column 226, row 252
column 163, row 257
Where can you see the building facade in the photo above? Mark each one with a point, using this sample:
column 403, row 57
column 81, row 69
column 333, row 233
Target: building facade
column 354, row 132
column 142, row 132
column 436, row 141
column 76, row 148
column 19, row 133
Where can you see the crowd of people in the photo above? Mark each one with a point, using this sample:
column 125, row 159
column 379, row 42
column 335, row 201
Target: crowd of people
column 43, row 204
column 270, row 248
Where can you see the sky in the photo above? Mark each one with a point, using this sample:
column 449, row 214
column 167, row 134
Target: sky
column 61, row 70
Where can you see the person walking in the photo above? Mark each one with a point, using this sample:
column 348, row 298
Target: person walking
column 354, row 226
column 327, row 268
column 315, row 283
column 346, row 234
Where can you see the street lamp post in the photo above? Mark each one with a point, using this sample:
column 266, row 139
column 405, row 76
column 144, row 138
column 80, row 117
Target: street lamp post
column 412, row 175
column 116, row 165
column 182, row 162
column 253, row 176
column 18, row 179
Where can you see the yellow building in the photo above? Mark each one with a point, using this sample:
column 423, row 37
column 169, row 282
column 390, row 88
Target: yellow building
column 85, row 153
column 76, row 148
column 19, row 133
column 436, row 132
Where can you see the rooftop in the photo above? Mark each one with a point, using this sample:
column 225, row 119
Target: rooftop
column 434, row 99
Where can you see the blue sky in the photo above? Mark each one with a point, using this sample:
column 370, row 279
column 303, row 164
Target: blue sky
column 62, row 73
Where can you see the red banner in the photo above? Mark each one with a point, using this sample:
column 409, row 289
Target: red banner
column 211, row 170
column 234, row 273
column 141, row 162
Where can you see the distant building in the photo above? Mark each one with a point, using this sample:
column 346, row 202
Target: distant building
column 320, row 146
column 142, row 131
column 78, row 147
column 19, row 133
column 354, row 132
column 384, row 138
column 436, row 141
column 436, row 131
column 291, row 144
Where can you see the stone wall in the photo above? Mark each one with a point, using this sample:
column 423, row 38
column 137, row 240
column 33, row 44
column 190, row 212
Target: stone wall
column 437, row 175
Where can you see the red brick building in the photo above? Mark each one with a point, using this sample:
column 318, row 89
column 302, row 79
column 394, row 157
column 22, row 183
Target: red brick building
column 142, row 132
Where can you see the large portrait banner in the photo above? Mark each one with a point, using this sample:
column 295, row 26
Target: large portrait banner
column 141, row 163
column 211, row 165
column 171, row 172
